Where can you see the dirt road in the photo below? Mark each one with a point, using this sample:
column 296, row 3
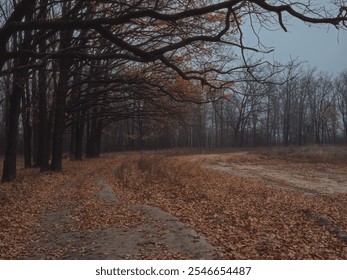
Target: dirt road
column 307, row 177
column 158, row 235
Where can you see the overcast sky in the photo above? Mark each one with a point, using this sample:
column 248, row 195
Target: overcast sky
column 324, row 48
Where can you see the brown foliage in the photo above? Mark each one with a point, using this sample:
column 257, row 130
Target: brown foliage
column 243, row 218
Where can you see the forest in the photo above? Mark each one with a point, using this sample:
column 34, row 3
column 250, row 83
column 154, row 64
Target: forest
column 153, row 129
column 82, row 77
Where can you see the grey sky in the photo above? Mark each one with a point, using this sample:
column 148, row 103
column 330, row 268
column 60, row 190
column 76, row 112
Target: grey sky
column 322, row 47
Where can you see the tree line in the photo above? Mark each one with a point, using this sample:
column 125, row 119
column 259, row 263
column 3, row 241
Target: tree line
column 77, row 73
column 300, row 106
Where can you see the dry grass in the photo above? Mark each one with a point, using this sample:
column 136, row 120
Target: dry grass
column 312, row 154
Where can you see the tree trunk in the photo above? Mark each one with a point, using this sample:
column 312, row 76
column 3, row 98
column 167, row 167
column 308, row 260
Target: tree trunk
column 73, row 138
column 9, row 168
column 59, row 117
column 35, row 119
column 27, row 130
column 60, row 103
column 94, row 138
column 43, row 138
column 43, row 130
column 79, row 140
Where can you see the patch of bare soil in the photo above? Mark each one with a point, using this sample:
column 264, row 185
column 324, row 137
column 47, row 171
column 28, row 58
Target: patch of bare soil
column 158, row 235
column 308, row 177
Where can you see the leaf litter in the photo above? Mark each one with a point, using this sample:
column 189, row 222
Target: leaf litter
column 59, row 215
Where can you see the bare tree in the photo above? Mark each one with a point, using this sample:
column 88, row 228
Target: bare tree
column 177, row 35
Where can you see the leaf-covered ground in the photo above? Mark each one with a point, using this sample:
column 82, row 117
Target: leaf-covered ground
column 243, row 218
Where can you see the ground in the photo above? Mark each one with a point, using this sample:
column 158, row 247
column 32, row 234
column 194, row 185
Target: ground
column 176, row 205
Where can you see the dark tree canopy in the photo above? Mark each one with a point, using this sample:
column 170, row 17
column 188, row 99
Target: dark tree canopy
column 76, row 67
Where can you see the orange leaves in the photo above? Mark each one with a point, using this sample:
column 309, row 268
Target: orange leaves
column 61, row 216
column 244, row 217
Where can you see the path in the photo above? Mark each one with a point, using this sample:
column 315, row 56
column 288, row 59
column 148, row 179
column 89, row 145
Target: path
column 160, row 236
column 307, row 177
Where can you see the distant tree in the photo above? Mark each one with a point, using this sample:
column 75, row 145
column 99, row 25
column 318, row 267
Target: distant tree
column 341, row 90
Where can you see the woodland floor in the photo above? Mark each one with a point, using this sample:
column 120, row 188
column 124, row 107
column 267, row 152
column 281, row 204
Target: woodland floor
column 236, row 205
